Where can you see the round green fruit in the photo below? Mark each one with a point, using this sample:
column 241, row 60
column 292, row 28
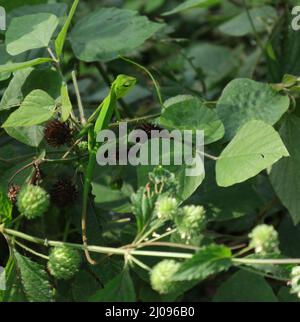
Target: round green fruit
column 166, row 208
column 64, row 262
column 33, row 201
column 264, row 239
column 161, row 276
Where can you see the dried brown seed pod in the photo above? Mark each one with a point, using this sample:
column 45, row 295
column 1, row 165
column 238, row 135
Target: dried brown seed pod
column 148, row 127
column 58, row 133
column 12, row 193
column 63, row 193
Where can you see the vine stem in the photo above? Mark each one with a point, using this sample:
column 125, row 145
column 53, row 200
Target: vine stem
column 94, row 249
column 79, row 100
column 139, row 263
column 134, row 252
column 266, row 275
column 283, row 261
column 52, row 55
column 28, row 249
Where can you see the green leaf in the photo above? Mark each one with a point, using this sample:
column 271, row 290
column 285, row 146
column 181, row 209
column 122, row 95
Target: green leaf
column 189, row 113
column 86, row 279
column 47, row 80
column 262, row 17
column 245, row 287
column 34, row 279
column 5, row 59
column 289, row 238
column 5, row 206
column 110, row 199
column 255, row 147
column 30, row 135
column 27, row 80
column 61, row 38
column 284, row 295
column 110, row 32
column 223, row 204
column 13, row 96
column 57, row 9
column 38, row 107
column 119, row 289
column 209, row 260
column 190, row 4
column 9, row 5
column 215, row 62
column 244, row 100
column 66, row 105
column 30, row 32
column 187, row 184
column 12, row 67
column 14, row 289
column 285, row 175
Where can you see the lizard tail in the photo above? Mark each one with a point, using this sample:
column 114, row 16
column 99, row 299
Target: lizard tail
column 85, row 240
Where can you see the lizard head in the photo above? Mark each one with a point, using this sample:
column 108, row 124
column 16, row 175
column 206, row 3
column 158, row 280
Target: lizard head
column 123, row 84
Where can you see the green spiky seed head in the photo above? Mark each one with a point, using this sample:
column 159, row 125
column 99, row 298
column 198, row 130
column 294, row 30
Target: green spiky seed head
column 166, row 208
column 295, row 281
column 161, row 276
column 64, row 262
column 190, row 220
column 264, row 239
column 33, row 201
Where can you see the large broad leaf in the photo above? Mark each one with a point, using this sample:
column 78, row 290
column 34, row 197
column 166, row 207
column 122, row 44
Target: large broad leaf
column 13, row 95
column 285, row 175
column 37, row 108
column 34, row 279
column 255, row 147
column 57, row 9
column 243, row 100
column 284, row 295
column 91, row 285
column 226, row 203
column 189, row 113
column 215, row 61
column 189, row 4
column 30, row 32
column 240, row 25
column 30, row 135
column 109, row 32
column 245, row 287
column 9, row 5
column 210, row 260
column 111, row 199
column 289, row 238
column 188, row 182
column 12, row 67
column 119, row 289
column 5, row 59
column 27, row 80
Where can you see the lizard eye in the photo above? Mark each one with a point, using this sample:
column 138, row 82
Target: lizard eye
column 126, row 85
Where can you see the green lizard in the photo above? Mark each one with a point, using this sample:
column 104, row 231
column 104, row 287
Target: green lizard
column 103, row 115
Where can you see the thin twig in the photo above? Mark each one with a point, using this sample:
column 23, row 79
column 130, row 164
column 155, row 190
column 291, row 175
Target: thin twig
column 79, row 101
column 156, row 85
column 28, row 249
